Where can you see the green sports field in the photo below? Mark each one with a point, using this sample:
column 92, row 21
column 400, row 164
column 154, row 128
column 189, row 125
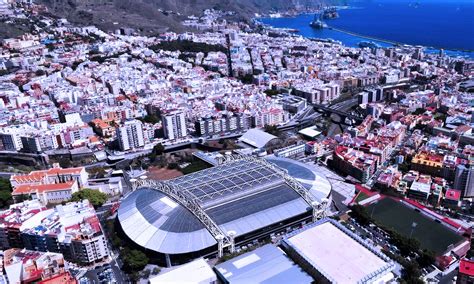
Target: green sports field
column 431, row 234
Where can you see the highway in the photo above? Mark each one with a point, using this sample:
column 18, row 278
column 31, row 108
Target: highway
column 308, row 115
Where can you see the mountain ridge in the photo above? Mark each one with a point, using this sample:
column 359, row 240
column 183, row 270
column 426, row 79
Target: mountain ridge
column 155, row 16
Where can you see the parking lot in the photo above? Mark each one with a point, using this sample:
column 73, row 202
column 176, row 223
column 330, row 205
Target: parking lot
column 107, row 273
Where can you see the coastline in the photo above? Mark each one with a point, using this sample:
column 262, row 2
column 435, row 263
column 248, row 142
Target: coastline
column 350, row 38
column 395, row 42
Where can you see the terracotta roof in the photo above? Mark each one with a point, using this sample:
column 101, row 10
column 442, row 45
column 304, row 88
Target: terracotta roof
column 453, row 194
column 466, row 267
column 28, row 189
column 36, row 176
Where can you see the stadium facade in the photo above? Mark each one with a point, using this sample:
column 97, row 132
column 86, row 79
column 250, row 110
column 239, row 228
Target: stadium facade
column 214, row 209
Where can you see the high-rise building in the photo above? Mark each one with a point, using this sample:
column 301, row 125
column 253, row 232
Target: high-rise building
column 464, row 180
column 174, row 125
column 10, row 140
column 460, row 177
column 130, row 135
column 228, row 123
column 469, row 191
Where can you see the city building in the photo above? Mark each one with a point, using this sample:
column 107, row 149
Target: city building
column 330, row 253
column 257, row 138
column 355, row 163
column 11, row 220
column 51, row 176
column 130, row 135
column 196, row 271
column 266, row 264
column 428, row 163
column 52, row 193
column 54, row 185
column 466, row 271
column 420, row 190
column 72, row 229
column 464, row 180
column 27, row 266
column 10, row 139
column 227, row 124
column 174, row 125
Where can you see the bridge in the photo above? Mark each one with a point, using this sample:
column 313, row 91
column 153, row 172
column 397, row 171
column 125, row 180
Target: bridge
column 327, row 111
column 308, row 116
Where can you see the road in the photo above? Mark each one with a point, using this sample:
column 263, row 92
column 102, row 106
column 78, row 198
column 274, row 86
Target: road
column 308, row 114
column 392, row 155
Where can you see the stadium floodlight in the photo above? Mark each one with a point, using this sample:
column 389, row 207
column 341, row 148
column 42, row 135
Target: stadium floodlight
column 373, row 208
column 413, row 226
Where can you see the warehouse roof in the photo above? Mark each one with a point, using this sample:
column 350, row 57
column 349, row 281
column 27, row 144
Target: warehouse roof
column 197, row 271
column 338, row 254
column 257, row 138
column 267, row 264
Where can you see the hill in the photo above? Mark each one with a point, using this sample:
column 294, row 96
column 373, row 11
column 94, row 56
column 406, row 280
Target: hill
column 154, row 16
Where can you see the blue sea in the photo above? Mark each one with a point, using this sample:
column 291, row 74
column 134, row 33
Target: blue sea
column 447, row 24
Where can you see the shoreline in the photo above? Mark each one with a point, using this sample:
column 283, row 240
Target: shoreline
column 465, row 52
column 396, row 42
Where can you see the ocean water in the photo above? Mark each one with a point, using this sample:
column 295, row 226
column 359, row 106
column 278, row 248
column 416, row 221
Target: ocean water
column 447, row 24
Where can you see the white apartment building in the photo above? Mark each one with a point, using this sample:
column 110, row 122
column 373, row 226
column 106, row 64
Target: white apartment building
column 174, row 125
column 130, row 135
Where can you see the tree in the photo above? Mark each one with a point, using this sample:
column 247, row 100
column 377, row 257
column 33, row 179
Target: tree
column 5, row 198
column 419, row 111
column 411, row 273
column 40, row 72
column 5, row 192
column 155, row 271
column 158, row 150
column 172, row 166
column 151, row 118
column 134, row 260
column 359, row 213
column 95, row 197
column 97, row 172
column 65, row 162
column 272, row 129
column 404, row 244
column 5, row 185
column 426, row 258
column 146, row 273
column 271, row 92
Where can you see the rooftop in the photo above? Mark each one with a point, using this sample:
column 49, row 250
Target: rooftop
column 241, row 196
column 197, row 271
column 466, row 267
column 257, row 138
column 31, row 188
column 338, row 254
column 267, row 264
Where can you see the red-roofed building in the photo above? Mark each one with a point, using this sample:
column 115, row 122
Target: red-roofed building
column 11, row 220
column 452, row 197
column 466, row 271
column 27, row 266
column 53, row 175
column 64, row 278
column 355, row 163
column 47, row 193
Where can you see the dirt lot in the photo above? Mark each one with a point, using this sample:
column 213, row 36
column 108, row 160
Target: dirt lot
column 163, row 173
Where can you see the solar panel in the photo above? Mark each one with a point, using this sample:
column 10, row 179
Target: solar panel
column 252, row 204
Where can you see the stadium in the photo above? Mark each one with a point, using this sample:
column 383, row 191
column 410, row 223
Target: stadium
column 217, row 209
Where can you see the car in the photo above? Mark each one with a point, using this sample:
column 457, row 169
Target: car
column 84, row 280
